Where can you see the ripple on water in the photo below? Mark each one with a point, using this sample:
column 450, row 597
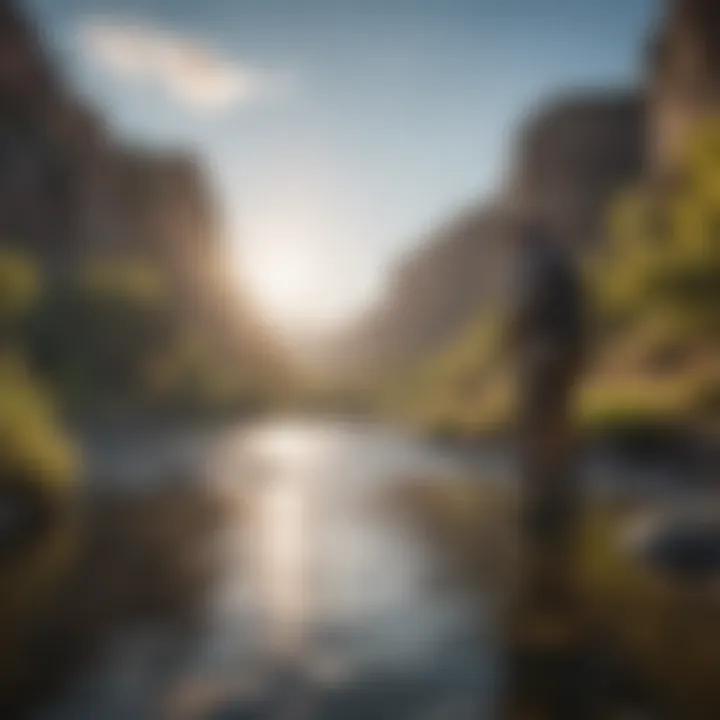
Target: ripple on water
column 324, row 604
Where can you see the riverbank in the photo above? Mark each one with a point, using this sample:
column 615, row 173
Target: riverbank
column 653, row 641
column 138, row 559
column 691, row 455
column 317, row 595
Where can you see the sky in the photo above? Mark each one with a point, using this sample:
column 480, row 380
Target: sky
column 337, row 133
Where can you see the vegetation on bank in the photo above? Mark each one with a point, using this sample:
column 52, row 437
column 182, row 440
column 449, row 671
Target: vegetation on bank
column 38, row 473
column 113, row 334
column 657, row 637
column 655, row 356
column 32, row 443
column 104, row 337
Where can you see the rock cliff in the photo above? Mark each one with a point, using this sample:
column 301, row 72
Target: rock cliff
column 71, row 190
column 570, row 159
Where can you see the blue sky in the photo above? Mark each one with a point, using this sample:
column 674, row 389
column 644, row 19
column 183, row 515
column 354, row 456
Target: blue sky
column 338, row 131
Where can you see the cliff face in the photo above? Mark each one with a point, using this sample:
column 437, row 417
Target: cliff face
column 70, row 189
column 36, row 197
column 432, row 294
column 572, row 157
column 684, row 78
column 159, row 205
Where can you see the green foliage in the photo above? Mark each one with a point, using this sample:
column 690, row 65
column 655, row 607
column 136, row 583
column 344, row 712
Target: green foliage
column 115, row 335
column 656, row 283
column 98, row 331
column 664, row 250
column 461, row 390
column 33, row 447
column 658, row 291
column 19, row 287
column 198, row 381
column 38, row 460
column 126, row 283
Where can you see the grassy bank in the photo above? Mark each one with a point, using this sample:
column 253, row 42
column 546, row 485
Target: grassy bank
column 634, row 414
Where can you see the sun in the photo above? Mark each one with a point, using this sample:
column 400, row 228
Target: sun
column 295, row 256
column 288, row 284
column 291, row 285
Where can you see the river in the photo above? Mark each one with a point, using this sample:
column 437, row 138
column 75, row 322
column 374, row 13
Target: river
column 327, row 602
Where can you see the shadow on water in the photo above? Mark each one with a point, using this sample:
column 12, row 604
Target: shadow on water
column 140, row 560
column 273, row 581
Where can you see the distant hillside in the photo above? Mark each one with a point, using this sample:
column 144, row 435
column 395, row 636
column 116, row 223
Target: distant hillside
column 654, row 374
column 570, row 159
column 573, row 155
column 683, row 79
column 431, row 293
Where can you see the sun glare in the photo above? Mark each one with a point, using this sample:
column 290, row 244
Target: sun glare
column 287, row 285
column 298, row 250
column 295, row 286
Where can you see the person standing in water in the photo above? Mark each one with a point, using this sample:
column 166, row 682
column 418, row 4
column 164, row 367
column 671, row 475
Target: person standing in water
column 547, row 338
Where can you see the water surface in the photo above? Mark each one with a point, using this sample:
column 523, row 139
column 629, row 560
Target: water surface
column 327, row 602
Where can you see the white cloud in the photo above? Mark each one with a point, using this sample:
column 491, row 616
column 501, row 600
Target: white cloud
column 188, row 71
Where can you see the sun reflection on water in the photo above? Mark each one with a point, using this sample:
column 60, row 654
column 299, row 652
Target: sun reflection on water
column 287, row 509
column 283, row 552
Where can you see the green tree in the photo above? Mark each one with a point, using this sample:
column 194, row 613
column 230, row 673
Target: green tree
column 20, row 289
column 99, row 332
column 33, row 447
column 658, row 287
column 663, row 263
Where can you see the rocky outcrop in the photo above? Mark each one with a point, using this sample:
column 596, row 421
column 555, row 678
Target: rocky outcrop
column 571, row 158
column 71, row 191
column 69, row 188
column 158, row 205
column 431, row 294
column 684, row 79
column 36, row 193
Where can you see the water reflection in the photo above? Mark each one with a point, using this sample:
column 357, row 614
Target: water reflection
column 324, row 605
column 282, row 544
